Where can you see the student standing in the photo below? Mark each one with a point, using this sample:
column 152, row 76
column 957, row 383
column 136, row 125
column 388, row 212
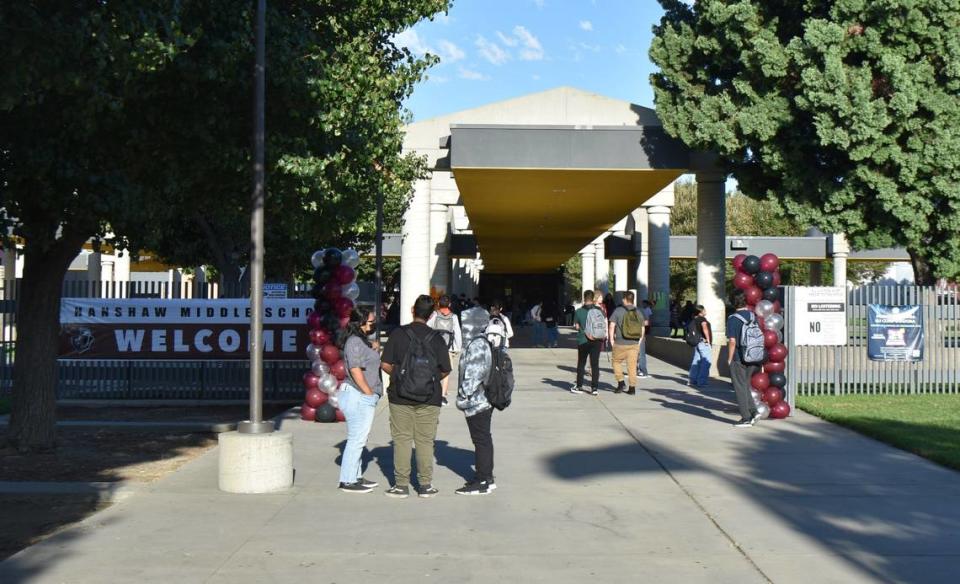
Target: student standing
column 626, row 328
column 551, row 319
column 647, row 311
column 496, row 314
column 416, row 359
column 472, row 399
column 703, row 352
column 588, row 345
column 445, row 322
column 740, row 371
column 538, row 332
column 358, row 401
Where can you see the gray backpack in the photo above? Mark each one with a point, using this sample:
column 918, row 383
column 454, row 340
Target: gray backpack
column 596, row 327
column 751, row 346
column 444, row 325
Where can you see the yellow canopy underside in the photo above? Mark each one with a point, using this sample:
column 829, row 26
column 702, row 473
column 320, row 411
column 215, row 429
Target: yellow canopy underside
column 534, row 220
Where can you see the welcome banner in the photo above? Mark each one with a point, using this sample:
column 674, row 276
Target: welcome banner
column 895, row 333
column 120, row 328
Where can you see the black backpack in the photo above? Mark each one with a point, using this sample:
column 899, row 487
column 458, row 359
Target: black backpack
column 693, row 334
column 498, row 388
column 416, row 380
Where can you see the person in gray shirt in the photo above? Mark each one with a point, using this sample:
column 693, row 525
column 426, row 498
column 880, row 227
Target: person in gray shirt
column 626, row 329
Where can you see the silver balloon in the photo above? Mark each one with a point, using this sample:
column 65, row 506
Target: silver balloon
column 328, row 384
column 334, row 399
column 316, row 260
column 764, row 308
column 351, row 291
column 351, row 257
column 774, row 322
column 313, row 352
column 319, row 368
column 763, row 410
column 757, row 397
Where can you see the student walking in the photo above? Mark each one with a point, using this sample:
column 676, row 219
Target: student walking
column 446, row 322
column 472, row 399
column 358, row 401
column 625, row 330
column 647, row 311
column 742, row 365
column 498, row 318
column 699, row 330
column 538, row 330
column 416, row 358
column 550, row 316
column 591, row 327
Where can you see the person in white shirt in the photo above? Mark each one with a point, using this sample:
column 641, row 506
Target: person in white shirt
column 496, row 312
column 538, row 329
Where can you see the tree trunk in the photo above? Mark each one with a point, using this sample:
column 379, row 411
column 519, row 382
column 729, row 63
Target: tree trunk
column 33, row 414
column 922, row 274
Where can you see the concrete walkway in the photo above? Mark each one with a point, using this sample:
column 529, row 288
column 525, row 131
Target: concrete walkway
column 654, row 488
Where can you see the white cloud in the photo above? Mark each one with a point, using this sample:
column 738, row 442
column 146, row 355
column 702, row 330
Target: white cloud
column 586, row 25
column 492, row 51
column 589, row 47
column 621, row 49
column 509, row 41
column 449, row 52
column 471, row 75
column 532, row 49
column 411, row 40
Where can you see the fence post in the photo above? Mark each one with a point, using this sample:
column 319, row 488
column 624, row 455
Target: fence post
column 129, row 379
column 203, row 387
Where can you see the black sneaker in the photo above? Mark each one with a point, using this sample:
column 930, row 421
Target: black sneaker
column 427, row 491
column 632, row 390
column 443, row 401
column 398, row 492
column 366, row 483
column 354, row 488
column 576, row 389
column 620, row 386
column 474, row 488
column 594, row 391
column 744, row 423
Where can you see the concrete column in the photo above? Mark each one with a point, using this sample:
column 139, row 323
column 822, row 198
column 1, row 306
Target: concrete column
column 621, row 270
column 839, row 251
column 641, row 249
column 415, row 253
column 711, row 254
column 659, row 293
column 602, row 269
column 587, row 268
column 439, row 247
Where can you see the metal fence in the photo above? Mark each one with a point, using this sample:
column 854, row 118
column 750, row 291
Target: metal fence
column 817, row 370
column 144, row 379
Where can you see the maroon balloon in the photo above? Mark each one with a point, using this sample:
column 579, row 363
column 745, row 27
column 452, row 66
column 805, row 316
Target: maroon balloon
column 760, row 381
column 340, row 416
column 774, row 367
column 310, row 381
column 319, row 337
column 754, row 294
column 344, row 274
column 762, row 324
column 738, row 261
column 777, row 353
column 343, row 306
column 773, row 396
column 780, row 410
column 742, row 281
column 777, row 307
column 332, row 291
column 330, row 354
column 769, row 262
column 776, row 278
column 307, row 413
column 770, row 338
column 316, row 398
column 339, row 370
column 315, row 320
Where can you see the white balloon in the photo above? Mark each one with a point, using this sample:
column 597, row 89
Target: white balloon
column 351, row 291
column 757, row 397
column 351, row 257
column 319, row 368
column 316, row 260
column 334, row 399
column 328, row 384
column 313, row 352
column 763, row 410
column 774, row 322
column 764, row 308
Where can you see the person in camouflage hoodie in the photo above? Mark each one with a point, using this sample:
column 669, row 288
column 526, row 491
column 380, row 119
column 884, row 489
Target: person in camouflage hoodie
column 475, row 362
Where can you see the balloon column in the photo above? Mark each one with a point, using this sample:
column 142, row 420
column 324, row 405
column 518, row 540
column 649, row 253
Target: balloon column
column 335, row 289
column 759, row 278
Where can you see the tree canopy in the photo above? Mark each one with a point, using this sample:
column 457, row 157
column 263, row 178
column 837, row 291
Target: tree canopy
column 846, row 112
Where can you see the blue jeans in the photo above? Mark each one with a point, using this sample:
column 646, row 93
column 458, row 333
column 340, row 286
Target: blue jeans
column 359, row 410
column 642, row 357
column 700, row 366
column 538, row 330
column 552, row 335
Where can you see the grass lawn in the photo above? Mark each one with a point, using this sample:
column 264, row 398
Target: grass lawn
column 925, row 424
column 4, row 405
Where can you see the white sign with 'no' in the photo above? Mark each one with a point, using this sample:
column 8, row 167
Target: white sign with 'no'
column 820, row 316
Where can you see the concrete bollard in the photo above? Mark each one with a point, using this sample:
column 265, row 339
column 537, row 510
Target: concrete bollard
column 256, row 463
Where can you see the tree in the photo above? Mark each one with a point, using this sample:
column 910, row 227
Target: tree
column 131, row 122
column 845, row 112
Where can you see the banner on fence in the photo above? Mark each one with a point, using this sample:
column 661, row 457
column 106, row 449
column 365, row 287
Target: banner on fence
column 895, row 333
column 820, row 316
column 93, row 328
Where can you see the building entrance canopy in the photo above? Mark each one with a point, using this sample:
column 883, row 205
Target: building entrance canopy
column 536, row 195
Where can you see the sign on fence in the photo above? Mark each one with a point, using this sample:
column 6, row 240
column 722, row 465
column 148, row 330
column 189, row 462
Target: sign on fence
column 895, row 333
column 820, row 316
column 274, row 290
column 92, row 328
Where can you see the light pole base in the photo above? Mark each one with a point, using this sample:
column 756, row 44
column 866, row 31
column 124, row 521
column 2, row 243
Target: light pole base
column 256, row 463
column 248, row 427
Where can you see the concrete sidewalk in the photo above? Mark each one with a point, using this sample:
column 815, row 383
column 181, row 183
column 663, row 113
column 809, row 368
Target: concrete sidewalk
column 654, row 488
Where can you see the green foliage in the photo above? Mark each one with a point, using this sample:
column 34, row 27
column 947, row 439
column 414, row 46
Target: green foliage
column 845, row 112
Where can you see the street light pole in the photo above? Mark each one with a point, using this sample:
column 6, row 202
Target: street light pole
column 378, row 278
column 256, row 425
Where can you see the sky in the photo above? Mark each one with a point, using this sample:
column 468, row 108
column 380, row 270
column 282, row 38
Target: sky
column 492, row 50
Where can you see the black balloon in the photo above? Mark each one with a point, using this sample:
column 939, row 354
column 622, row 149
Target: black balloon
column 331, row 322
column 778, row 379
column 322, row 305
column 764, row 280
column 751, row 264
column 317, row 292
column 327, row 413
column 322, row 275
column 333, row 257
column 771, row 294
